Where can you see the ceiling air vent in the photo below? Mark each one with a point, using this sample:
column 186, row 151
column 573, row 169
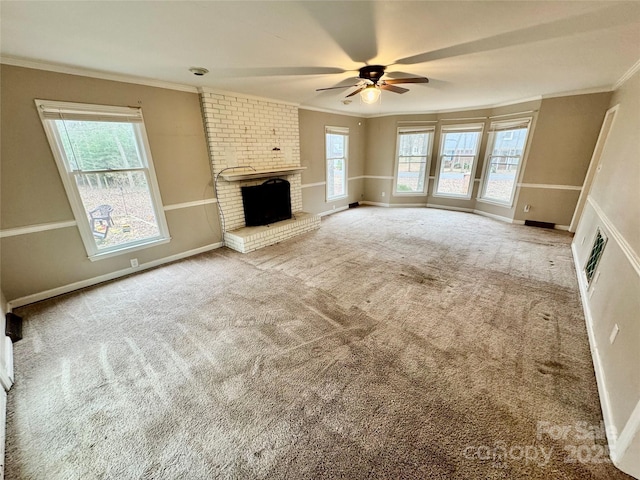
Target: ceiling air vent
column 594, row 257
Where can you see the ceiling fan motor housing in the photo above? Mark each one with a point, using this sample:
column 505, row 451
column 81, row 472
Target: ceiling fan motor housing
column 372, row 73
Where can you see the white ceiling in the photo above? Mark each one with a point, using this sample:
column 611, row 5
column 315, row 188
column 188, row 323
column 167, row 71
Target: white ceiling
column 475, row 53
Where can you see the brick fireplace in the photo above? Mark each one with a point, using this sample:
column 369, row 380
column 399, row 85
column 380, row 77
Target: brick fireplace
column 245, row 132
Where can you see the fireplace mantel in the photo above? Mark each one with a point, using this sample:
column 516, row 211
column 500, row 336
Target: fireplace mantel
column 235, row 176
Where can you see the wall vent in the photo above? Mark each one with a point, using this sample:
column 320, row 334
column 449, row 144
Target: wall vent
column 596, row 253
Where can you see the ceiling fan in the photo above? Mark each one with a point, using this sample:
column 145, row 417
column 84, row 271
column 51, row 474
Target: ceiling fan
column 371, row 85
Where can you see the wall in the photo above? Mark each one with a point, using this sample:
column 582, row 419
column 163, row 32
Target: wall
column 613, row 298
column 565, row 135
column 312, row 152
column 38, row 259
column 561, row 140
column 244, row 131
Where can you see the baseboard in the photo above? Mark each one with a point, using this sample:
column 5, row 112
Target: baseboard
column 3, row 429
column 629, row 431
column 7, row 377
column 408, row 205
column 447, row 207
column 54, row 292
column 457, row 209
column 605, row 403
column 335, row 210
column 494, row 216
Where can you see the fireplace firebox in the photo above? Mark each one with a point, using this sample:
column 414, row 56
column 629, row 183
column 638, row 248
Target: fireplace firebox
column 267, row 203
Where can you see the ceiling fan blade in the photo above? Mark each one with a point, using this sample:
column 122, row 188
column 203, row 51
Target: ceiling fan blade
column 392, row 81
column 275, row 71
column 606, row 17
column 393, row 88
column 351, row 25
column 355, row 92
column 333, row 88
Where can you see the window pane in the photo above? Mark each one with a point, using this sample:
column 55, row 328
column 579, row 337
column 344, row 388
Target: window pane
column 336, row 178
column 412, row 144
column 456, row 164
column 335, row 145
column 119, row 207
column 411, row 174
column 501, row 178
column 99, row 145
column 509, row 142
column 412, row 162
column 507, row 151
column 336, row 165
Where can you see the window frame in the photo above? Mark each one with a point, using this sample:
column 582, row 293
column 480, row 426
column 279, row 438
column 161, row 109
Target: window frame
column 46, row 111
column 344, row 131
column 461, row 128
column 430, row 131
column 497, row 126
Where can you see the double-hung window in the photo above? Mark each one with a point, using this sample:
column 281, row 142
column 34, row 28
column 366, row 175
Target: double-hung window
column 459, row 145
column 507, row 143
column 103, row 157
column 412, row 160
column 336, row 150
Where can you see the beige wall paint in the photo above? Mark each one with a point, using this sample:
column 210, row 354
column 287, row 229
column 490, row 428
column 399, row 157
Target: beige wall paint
column 564, row 139
column 571, row 122
column 613, row 205
column 547, row 205
column 32, row 192
column 616, row 187
column 312, row 155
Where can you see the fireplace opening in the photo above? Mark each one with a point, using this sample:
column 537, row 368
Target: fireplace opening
column 267, row 203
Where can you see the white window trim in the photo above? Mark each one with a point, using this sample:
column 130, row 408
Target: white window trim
column 337, row 131
column 128, row 114
column 495, row 127
column 429, row 130
column 475, row 127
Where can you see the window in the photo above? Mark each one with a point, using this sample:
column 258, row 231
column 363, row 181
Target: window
column 337, row 147
column 507, row 142
column 104, row 160
column 414, row 145
column 459, row 147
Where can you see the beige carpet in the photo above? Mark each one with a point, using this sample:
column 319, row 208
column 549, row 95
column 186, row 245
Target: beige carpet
column 391, row 343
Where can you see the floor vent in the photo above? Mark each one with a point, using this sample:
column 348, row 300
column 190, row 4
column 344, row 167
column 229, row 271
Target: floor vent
column 534, row 223
column 354, row 205
column 596, row 253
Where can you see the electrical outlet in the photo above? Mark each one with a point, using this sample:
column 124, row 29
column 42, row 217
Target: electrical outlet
column 383, row 194
column 527, row 207
column 134, row 262
column 614, row 333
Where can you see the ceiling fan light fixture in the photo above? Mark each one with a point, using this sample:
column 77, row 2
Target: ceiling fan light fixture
column 370, row 94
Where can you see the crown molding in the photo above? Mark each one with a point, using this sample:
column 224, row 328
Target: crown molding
column 332, row 112
column 85, row 72
column 584, row 91
column 627, row 75
column 245, row 95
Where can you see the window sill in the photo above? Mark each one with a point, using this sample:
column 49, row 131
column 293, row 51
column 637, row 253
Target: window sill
column 334, row 199
column 132, row 248
column 497, row 203
column 452, row 195
column 409, row 194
